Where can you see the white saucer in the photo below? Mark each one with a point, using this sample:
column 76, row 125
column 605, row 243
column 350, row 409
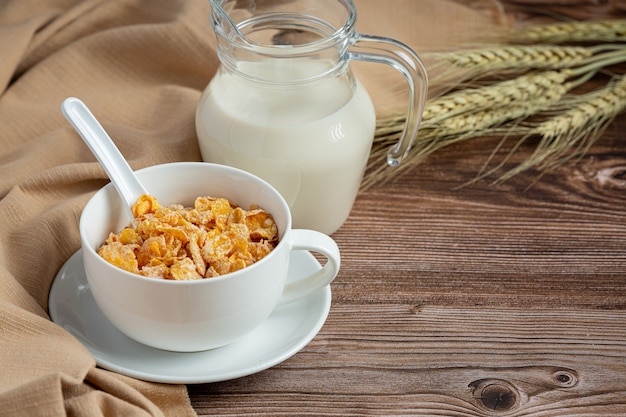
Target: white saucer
column 283, row 334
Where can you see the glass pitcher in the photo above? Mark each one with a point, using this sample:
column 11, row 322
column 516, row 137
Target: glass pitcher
column 285, row 105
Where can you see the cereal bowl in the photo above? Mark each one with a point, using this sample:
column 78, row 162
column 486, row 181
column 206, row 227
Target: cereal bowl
column 195, row 315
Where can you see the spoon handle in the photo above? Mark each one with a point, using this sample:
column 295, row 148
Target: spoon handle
column 128, row 186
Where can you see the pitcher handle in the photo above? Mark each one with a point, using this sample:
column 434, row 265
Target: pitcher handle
column 391, row 52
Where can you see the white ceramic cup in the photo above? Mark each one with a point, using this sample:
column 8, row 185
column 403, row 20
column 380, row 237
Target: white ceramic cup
column 187, row 316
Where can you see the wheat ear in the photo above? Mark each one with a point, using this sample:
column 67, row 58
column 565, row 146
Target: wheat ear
column 578, row 31
column 518, row 57
column 571, row 133
column 534, row 89
column 476, row 64
column 465, row 114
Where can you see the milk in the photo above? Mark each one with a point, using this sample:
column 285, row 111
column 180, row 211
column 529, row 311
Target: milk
column 310, row 141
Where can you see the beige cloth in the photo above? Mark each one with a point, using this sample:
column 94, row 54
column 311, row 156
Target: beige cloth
column 140, row 65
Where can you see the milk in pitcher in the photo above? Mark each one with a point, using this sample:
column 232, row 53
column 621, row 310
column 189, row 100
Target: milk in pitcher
column 311, row 141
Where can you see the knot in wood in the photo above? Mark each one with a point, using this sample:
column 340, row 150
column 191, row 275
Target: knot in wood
column 611, row 177
column 498, row 397
column 564, row 378
column 495, row 395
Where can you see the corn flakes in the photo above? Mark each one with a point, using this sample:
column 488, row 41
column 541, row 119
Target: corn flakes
column 212, row 238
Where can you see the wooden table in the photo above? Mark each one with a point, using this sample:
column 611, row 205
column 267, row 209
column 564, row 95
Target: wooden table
column 479, row 301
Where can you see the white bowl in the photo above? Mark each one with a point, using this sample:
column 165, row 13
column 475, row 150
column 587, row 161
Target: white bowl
column 197, row 315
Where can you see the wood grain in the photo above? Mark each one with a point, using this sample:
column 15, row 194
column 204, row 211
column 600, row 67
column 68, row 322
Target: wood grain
column 394, row 359
column 481, row 301
column 474, row 301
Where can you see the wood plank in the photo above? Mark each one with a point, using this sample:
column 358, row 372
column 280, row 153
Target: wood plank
column 560, row 243
column 401, row 360
column 477, row 301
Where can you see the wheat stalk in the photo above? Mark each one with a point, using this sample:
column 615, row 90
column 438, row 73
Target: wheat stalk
column 508, row 57
column 466, row 114
column 570, row 133
column 579, row 31
column 512, row 108
column 476, row 64
column 442, row 110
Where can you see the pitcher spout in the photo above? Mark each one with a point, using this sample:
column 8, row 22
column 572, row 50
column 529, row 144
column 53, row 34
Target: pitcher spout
column 223, row 24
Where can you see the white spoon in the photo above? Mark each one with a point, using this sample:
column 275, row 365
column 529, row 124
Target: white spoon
column 122, row 176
